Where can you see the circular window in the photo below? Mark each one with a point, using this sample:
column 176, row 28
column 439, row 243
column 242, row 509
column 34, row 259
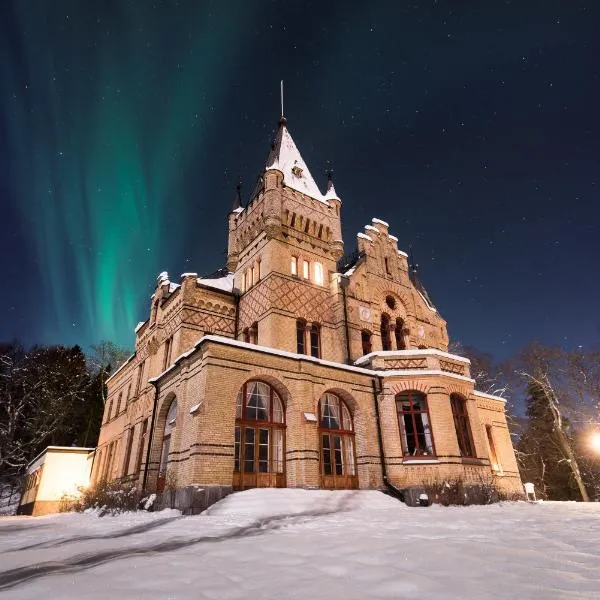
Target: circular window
column 389, row 300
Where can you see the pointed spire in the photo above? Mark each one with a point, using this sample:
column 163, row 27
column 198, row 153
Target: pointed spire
column 285, row 157
column 237, row 201
column 330, row 194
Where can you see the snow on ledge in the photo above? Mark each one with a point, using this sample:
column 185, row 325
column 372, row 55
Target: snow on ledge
column 364, row 236
column 489, row 396
column 123, row 365
column 393, row 238
column 409, row 353
column 195, row 408
column 371, row 228
column 221, row 283
column 326, row 363
column 189, row 275
column 401, row 253
column 375, row 220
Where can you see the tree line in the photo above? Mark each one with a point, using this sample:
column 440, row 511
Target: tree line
column 50, row 395
column 55, row 395
column 554, row 415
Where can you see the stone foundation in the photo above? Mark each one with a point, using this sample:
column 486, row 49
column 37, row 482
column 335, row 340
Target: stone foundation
column 192, row 499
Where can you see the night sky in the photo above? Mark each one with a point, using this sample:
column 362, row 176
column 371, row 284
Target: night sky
column 471, row 127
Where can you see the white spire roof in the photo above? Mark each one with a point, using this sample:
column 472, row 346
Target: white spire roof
column 331, row 194
column 285, row 157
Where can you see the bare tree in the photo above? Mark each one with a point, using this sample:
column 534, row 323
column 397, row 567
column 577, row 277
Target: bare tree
column 545, row 372
column 38, row 392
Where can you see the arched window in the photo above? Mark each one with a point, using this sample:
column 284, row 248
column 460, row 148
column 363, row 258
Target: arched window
column 338, row 468
column 414, row 423
column 170, row 424
column 259, row 437
column 400, row 345
column 386, row 342
column 461, row 425
column 365, row 338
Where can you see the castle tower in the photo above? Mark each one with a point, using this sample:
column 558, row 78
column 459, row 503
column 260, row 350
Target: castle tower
column 282, row 248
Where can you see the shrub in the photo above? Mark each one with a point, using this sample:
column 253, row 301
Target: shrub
column 107, row 498
column 455, row 492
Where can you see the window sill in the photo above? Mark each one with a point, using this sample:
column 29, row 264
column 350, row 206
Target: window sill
column 421, row 461
column 471, row 461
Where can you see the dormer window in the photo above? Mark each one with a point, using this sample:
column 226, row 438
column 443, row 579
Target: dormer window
column 297, row 171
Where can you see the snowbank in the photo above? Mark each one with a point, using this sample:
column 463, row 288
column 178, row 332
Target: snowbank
column 308, row 544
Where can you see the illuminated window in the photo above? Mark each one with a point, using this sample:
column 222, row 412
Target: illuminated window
column 305, row 269
column 294, row 265
column 254, row 276
column 318, row 268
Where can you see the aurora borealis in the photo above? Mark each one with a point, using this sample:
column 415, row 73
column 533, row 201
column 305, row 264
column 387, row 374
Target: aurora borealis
column 473, row 129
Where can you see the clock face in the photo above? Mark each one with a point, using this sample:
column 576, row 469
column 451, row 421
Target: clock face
column 364, row 314
column 421, row 332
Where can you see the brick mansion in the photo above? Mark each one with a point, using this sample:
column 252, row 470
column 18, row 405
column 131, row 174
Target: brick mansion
column 299, row 364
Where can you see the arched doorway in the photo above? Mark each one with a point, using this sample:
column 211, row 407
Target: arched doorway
column 170, row 423
column 336, row 433
column 259, row 437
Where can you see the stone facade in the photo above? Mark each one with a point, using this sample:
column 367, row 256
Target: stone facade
column 356, row 384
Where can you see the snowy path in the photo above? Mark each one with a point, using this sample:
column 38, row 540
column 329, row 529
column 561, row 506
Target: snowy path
column 295, row 544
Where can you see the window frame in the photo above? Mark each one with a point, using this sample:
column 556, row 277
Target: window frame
column 462, row 426
column 417, row 454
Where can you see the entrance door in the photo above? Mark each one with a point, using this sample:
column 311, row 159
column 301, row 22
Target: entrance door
column 338, row 467
column 259, row 438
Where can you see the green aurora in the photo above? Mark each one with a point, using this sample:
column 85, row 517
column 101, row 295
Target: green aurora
column 100, row 134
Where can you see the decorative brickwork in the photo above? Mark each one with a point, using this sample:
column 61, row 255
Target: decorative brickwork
column 282, row 252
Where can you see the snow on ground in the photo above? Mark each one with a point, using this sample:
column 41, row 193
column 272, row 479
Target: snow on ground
column 297, row 544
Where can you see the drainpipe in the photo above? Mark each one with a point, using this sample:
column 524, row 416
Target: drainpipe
column 392, row 489
column 344, row 282
column 150, row 436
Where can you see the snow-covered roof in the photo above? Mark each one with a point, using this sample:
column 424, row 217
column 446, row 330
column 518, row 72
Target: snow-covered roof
column 375, row 220
column 327, row 363
column 410, row 353
column 285, row 157
column 221, row 283
column 331, row 194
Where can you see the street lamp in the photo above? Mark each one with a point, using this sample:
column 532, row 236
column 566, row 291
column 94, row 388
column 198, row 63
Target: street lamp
column 595, row 441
